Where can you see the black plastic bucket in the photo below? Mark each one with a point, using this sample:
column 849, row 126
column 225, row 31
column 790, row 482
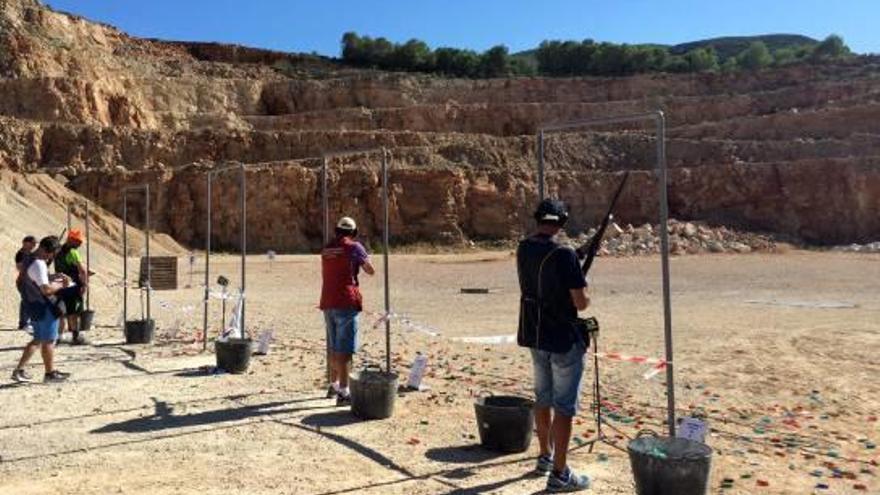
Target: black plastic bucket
column 505, row 422
column 669, row 466
column 373, row 392
column 86, row 318
column 139, row 331
column 233, row 355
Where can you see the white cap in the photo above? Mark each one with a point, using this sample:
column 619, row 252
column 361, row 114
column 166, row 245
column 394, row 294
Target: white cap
column 346, row 223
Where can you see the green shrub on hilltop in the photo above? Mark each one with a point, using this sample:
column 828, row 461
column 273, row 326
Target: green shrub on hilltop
column 588, row 58
column 755, row 57
column 416, row 56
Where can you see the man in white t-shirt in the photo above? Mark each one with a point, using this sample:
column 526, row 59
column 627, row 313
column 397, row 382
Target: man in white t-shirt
column 38, row 287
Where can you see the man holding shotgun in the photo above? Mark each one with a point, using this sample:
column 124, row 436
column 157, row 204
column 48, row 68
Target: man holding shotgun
column 553, row 289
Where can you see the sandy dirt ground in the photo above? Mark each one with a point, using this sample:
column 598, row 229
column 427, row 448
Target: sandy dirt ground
column 779, row 351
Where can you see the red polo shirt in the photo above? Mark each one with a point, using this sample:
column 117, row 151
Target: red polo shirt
column 341, row 261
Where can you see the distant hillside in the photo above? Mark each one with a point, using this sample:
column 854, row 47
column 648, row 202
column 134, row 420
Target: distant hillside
column 730, row 46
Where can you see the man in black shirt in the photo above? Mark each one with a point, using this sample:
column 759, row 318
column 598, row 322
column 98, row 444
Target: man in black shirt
column 22, row 259
column 553, row 290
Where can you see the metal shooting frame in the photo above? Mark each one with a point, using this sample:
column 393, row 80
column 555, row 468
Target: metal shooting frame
column 659, row 119
column 125, row 192
column 242, row 194
column 325, row 208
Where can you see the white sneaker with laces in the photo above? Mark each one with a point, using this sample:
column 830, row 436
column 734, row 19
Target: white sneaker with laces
column 21, row 376
column 567, row 481
column 544, row 466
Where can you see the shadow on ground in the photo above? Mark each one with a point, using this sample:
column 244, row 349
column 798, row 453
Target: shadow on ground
column 462, row 454
column 164, row 418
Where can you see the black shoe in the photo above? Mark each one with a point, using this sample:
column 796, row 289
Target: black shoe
column 55, row 377
column 343, row 400
column 331, row 392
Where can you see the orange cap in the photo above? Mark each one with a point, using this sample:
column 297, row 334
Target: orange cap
column 74, row 235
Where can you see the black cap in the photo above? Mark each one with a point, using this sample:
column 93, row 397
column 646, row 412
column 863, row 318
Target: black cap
column 29, row 238
column 552, row 211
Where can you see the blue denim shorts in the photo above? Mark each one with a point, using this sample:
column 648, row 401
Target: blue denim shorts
column 342, row 329
column 46, row 328
column 558, row 379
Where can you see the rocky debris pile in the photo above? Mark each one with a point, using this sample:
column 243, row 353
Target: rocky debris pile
column 872, row 247
column 684, row 238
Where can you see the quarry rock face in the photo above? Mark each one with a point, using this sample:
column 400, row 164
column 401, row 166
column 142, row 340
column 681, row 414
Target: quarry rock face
column 791, row 151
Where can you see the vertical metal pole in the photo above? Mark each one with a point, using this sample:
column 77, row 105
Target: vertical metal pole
column 124, row 257
column 88, row 257
column 69, row 223
column 597, row 389
column 664, row 252
column 541, row 165
column 147, row 237
column 243, row 194
column 207, row 267
column 385, row 259
column 325, row 201
column 325, row 210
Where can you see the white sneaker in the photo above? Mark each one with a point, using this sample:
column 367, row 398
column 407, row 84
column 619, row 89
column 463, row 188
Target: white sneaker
column 567, row 481
column 544, row 466
column 21, row 376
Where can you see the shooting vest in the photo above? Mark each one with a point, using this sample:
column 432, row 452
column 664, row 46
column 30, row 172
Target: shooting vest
column 546, row 312
column 340, row 288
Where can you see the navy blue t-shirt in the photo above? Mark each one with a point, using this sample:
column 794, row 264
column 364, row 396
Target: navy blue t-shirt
column 548, row 272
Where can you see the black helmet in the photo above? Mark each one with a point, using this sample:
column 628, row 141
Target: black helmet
column 50, row 244
column 552, row 211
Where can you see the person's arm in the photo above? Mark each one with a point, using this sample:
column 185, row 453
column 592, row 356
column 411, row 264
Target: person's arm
column 48, row 287
column 577, row 285
column 580, row 298
column 363, row 259
column 83, row 276
column 368, row 267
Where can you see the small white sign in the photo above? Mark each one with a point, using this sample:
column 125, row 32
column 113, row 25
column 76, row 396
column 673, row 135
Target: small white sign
column 264, row 341
column 692, row 429
column 417, row 372
column 271, row 255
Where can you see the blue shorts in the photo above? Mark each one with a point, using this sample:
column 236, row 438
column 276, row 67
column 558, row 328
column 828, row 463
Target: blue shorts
column 46, row 328
column 558, row 379
column 342, row 329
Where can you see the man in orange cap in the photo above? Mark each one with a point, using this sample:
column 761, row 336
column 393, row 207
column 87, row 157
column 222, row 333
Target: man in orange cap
column 70, row 263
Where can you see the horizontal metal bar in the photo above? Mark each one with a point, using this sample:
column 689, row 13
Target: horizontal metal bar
column 339, row 154
column 139, row 187
column 226, row 168
column 656, row 114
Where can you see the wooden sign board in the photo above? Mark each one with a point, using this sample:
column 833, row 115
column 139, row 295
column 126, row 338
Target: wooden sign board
column 163, row 272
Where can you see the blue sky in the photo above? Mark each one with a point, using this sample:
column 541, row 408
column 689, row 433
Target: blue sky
column 309, row 25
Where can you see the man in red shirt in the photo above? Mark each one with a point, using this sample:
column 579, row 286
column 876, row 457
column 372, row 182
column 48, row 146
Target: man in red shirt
column 341, row 300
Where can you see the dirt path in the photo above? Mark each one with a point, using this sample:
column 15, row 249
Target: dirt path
column 787, row 378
